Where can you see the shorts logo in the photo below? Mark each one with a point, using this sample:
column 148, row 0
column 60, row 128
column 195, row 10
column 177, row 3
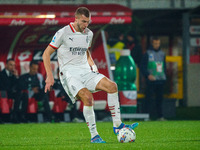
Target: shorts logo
column 73, row 87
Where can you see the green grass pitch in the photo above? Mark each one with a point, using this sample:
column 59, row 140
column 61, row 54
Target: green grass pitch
column 153, row 135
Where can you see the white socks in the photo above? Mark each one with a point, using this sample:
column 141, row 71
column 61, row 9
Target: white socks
column 88, row 113
column 113, row 104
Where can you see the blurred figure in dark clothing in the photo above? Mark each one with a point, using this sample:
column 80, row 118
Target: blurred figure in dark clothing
column 31, row 85
column 8, row 80
column 135, row 48
column 153, row 67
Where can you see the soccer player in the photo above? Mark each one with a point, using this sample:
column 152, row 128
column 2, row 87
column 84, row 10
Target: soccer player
column 72, row 43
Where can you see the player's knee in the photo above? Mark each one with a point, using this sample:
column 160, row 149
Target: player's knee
column 86, row 97
column 112, row 87
column 88, row 100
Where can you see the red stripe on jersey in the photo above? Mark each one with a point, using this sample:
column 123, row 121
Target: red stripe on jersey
column 53, row 46
column 71, row 28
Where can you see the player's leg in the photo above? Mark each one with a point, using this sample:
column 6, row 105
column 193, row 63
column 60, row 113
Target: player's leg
column 76, row 90
column 110, row 87
column 86, row 96
column 113, row 101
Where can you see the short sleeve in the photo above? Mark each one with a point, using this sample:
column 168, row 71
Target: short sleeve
column 56, row 40
column 90, row 39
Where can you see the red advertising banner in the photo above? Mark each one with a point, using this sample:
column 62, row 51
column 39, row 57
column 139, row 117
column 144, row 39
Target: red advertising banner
column 20, row 15
column 65, row 10
column 60, row 14
column 61, row 21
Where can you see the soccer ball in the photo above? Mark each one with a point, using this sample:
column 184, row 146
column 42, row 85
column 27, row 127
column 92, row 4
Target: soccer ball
column 126, row 135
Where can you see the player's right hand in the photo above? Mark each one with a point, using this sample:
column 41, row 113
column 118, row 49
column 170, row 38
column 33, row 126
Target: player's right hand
column 49, row 83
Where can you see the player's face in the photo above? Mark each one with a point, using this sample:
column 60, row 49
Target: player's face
column 156, row 44
column 82, row 22
column 10, row 66
column 33, row 69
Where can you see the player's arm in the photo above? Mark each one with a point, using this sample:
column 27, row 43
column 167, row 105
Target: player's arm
column 46, row 59
column 91, row 62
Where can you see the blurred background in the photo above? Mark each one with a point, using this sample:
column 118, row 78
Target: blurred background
column 27, row 27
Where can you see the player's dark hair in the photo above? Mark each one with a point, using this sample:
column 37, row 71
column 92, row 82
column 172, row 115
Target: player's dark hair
column 33, row 62
column 155, row 38
column 83, row 11
column 10, row 59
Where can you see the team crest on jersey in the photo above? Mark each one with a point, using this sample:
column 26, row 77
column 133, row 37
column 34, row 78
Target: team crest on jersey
column 87, row 39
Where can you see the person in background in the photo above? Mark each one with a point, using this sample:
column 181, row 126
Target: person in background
column 135, row 48
column 61, row 93
column 115, row 46
column 8, row 80
column 31, row 85
column 153, row 67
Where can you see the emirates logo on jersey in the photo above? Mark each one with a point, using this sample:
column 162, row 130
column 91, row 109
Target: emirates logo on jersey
column 78, row 50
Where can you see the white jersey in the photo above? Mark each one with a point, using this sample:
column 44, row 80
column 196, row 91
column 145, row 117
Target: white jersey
column 72, row 49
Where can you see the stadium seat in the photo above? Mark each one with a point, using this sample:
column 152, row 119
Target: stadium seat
column 32, row 106
column 10, row 103
column 59, row 105
column 4, row 103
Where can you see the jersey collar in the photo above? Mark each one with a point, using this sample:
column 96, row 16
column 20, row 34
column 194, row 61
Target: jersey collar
column 73, row 29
